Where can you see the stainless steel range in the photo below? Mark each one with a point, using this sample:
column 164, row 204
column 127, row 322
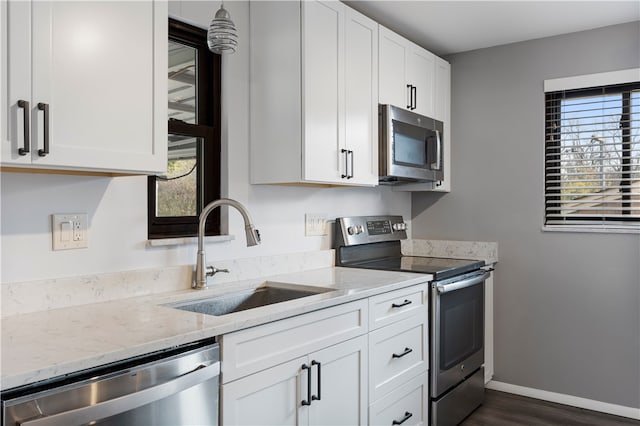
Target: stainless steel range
column 456, row 326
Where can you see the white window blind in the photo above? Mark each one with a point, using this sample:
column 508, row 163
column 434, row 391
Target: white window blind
column 592, row 156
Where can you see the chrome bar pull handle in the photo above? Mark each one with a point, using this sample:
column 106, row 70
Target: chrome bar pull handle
column 45, row 107
column 25, row 107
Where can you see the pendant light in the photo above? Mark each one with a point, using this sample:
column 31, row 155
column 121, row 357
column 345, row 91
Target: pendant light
column 222, row 37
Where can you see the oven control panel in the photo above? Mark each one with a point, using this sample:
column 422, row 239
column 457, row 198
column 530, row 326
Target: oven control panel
column 356, row 230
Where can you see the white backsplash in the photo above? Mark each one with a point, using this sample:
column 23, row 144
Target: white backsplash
column 42, row 295
column 487, row 251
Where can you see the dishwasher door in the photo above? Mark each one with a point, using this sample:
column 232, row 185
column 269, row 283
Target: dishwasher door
column 166, row 389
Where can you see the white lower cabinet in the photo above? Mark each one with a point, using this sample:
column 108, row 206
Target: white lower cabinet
column 270, row 397
column 407, row 405
column 279, row 395
column 310, row 369
column 399, row 357
column 328, row 368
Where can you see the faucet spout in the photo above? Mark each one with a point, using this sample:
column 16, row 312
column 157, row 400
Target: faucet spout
column 253, row 237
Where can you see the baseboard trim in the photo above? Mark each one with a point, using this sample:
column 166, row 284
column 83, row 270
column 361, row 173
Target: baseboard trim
column 574, row 401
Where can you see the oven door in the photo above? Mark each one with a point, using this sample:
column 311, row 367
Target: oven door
column 457, row 337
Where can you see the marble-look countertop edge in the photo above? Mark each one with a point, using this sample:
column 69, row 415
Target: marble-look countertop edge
column 107, row 332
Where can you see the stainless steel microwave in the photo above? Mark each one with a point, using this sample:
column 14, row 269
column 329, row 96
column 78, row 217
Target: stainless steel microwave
column 410, row 146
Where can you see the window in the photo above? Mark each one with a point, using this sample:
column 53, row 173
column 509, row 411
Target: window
column 193, row 169
column 592, row 157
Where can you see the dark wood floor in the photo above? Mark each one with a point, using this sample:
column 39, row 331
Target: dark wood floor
column 505, row 409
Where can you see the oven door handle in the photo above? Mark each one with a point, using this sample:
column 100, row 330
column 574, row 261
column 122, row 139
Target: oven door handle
column 458, row 285
column 101, row 410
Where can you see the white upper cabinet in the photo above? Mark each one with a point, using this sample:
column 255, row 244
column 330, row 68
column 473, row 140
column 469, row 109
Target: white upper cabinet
column 415, row 79
column 90, row 79
column 313, row 76
column 407, row 74
column 361, row 97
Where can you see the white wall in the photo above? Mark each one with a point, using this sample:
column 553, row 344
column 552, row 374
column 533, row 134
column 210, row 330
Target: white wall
column 566, row 305
column 117, row 206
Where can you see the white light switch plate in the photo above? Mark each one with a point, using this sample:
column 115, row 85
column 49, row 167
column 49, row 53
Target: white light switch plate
column 69, row 231
column 315, row 224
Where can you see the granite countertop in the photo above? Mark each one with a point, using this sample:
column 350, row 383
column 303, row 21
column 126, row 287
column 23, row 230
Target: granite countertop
column 42, row 345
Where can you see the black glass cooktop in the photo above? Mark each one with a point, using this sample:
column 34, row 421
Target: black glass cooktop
column 439, row 267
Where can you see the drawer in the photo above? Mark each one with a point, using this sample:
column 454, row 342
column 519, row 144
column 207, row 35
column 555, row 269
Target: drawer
column 254, row 349
column 410, row 401
column 396, row 353
column 387, row 308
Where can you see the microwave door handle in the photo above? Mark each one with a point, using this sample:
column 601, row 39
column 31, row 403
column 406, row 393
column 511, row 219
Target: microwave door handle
column 438, row 151
column 131, row 401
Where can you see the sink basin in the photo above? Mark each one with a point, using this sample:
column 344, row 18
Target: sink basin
column 267, row 294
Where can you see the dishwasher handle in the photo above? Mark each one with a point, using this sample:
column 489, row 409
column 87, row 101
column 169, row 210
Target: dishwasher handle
column 131, row 401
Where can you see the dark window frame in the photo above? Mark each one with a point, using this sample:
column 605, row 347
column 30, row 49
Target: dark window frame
column 553, row 143
column 208, row 129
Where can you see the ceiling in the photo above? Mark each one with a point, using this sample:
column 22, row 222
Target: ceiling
column 446, row 27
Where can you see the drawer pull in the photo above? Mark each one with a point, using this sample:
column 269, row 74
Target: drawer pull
column 407, row 351
column 407, row 416
column 308, row 400
column 400, row 305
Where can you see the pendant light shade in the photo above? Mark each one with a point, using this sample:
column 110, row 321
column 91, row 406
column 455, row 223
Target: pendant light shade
column 222, row 37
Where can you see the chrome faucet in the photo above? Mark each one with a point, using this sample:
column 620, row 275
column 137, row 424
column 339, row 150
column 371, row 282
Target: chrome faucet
column 253, row 238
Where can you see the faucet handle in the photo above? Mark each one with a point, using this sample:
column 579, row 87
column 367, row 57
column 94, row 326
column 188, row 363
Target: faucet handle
column 212, row 270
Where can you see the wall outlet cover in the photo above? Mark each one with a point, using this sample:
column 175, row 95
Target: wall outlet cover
column 69, row 231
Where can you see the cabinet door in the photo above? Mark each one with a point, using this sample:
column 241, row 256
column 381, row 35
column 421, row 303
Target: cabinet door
column 442, row 90
column 15, row 34
column 101, row 68
column 270, row 397
column 443, row 113
column 343, row 384
column 421, row 74
column 361, row 97
column 323, row 82
column 392, row 61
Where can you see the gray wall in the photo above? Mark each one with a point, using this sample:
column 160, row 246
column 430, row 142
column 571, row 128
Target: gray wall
column 567, row 305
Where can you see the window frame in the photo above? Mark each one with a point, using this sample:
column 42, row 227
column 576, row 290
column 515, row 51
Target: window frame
column 583, row 86
column 208, row 153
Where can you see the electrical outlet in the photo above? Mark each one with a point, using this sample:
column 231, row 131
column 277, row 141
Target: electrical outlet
column 69, row 231
column 315, row 224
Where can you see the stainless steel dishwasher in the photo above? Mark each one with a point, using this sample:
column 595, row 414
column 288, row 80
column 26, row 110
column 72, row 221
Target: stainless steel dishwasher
column 174, row 387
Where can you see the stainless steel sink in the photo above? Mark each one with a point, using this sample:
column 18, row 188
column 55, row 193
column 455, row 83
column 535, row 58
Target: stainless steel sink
column 266, row 294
